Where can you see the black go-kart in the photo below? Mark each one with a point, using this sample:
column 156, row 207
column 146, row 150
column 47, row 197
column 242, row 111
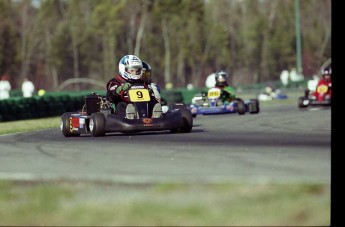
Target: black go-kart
column 98, row 117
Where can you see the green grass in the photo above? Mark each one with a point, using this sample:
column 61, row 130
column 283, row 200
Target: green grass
column 227, row 204
column 28, row 125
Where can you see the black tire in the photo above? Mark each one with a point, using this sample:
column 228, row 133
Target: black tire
column 187, row 121
column 96, row 124
column 65, row 125
column 300, row 102
column 177, row 106
column 241, row 108
column 254, row 106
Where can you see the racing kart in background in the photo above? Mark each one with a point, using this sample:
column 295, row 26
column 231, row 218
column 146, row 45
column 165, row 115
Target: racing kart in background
column 210, row 103
column 269, row 94
column 97, row 116
column 322, row 96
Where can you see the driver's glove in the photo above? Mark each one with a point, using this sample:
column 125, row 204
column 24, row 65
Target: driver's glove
column 124, row 87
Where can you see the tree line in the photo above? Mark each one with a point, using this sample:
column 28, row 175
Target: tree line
column 184, row 41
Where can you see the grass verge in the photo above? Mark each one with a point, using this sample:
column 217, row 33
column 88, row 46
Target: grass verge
column 28, row 125
column 227, row 204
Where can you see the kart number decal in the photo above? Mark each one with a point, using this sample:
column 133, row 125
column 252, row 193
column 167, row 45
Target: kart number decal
column 213, row 93
column 139, row 95
column 322, row 89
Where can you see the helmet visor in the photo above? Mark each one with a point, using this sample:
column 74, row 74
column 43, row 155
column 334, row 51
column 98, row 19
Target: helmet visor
column 134, row 70
column 221, row 78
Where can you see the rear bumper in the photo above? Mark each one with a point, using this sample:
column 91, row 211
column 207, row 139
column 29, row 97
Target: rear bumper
column 320, row 103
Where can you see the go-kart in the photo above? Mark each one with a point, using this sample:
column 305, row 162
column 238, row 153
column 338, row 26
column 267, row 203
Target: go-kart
column 98, row 117
column 269, row 94
column 322, row 96
column 210, row 103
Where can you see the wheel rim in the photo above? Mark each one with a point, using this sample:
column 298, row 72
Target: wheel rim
column 61, row 125
column 91, row 125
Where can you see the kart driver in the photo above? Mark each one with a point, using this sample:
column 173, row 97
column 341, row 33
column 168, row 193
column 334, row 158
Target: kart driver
column 325, row 80
column 147, row 72
column 131, row 71
column 228, row 92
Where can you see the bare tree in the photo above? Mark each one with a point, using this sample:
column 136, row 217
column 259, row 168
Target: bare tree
column 167, row 76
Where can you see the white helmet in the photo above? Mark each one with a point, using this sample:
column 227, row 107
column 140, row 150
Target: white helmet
column 221, row 77
column 130, row 67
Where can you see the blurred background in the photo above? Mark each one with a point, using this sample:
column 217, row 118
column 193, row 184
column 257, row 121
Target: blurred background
column 51, row 41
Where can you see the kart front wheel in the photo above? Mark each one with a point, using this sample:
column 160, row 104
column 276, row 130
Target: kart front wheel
column 254, row 107
column 187, row 121
column 96, row 124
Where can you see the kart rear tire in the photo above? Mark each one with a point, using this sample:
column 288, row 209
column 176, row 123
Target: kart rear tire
column 96, row 124
column 65, row 125
column 241, row 108
column 254, row 106
column 187, row 121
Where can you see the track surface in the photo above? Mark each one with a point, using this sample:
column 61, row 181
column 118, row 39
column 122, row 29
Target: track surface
column 280, row 144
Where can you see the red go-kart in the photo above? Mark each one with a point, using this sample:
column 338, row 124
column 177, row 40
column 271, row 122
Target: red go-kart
column 322, row 96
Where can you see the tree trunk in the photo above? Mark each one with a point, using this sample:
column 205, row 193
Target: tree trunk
column 75, row 55
column 140, row 32
column 167, row 78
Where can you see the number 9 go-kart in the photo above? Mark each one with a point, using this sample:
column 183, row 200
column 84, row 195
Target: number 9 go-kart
column 211, row 103
column 322, row 96
column 97, row 116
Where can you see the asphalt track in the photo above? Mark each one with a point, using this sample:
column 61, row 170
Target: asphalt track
column 280, row 144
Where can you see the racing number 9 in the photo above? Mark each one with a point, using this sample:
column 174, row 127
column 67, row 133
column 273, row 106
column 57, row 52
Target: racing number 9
column 139, row 95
